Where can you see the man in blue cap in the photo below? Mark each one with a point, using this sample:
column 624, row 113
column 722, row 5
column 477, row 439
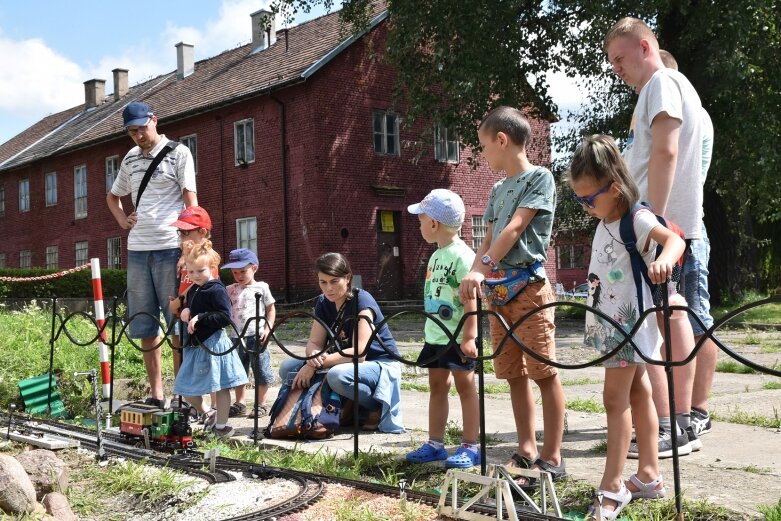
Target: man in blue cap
column 153, row 244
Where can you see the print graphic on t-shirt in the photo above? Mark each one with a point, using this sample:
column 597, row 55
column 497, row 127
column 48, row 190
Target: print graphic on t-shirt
column 600, row 333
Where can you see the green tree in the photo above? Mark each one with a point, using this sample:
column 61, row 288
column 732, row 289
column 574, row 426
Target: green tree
column 457, row 59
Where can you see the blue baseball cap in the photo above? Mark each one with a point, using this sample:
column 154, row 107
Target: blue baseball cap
column 136, row 113
column 441, row 205
column 240, row 258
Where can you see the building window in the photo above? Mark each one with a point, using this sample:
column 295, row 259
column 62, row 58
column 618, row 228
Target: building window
column 25, row 259
column 247, row 233
column 112, row 169
column 386, row 133
column 51, row 257
column 2, row 260
column 445, row 145
column 82, row 253
column 569, row 256
column 478, row 231
column 24, row 195
column 244, row 137
column 51, row 188
column 80, row 191
column 191, row 142
column 2, row 200
column 114, row 252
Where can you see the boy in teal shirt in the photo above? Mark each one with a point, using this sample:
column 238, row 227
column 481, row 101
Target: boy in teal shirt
column 441, row 214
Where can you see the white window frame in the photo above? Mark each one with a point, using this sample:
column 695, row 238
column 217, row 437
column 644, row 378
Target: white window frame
column 2, row 201
column 81, row 249
column 479, row 229
column 24, row 195
column 80, row 191
column 2, row 260
column 244, row 145
column 114, row 253
column 25, row 259
column 52, row 257
column 574, row 252
column 381, row 136
column 112, row 171
column 446, row 149
column 191, row 142
column 50, row 183
column 247, row 233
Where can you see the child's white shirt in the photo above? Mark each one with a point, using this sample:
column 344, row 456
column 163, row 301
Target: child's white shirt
column 243, row 302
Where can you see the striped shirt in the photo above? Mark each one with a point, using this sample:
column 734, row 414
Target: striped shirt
column 161, row 202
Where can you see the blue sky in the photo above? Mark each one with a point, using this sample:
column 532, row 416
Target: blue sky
column 49, row 48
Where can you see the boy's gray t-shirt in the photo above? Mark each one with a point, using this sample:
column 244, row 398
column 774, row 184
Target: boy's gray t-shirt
column 669, row 91
column 534, row 189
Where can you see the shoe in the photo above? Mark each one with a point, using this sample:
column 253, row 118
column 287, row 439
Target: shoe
column 225, row 432
column 262, row 411
column 665, row 446
column 622, row 499
column 209, row 420
column 557, row 473
column 700, row 421
column 426, row 453
column 648, row 490
column 463, row 458
column 156, row 402
column 237, row 409
column 202, row 417
column 694, row 440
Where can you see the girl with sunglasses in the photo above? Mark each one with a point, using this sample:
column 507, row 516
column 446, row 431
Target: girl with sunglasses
column 599, row 178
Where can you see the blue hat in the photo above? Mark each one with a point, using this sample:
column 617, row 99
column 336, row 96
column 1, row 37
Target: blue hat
column 443, row 206
column 241, row 258
column 136, row 113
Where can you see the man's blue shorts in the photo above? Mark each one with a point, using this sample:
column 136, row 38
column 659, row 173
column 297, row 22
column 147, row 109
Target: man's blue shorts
column 151, row 279
column 695, row 280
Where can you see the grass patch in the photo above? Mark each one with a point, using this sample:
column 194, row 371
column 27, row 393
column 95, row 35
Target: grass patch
column 731, row 366
column 739, row 416
column 600, row 447
column 771, row 512
column 771, row 386
column 585, row 405
column 581, row 381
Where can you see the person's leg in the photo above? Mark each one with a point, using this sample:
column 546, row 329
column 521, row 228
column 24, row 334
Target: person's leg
column 223, row 406
column 438, row 406
column 176, row 353
column 470, row 407
column 615, row 396
column 197, row 402
column 646, row 427
column 705, row 370
column 522, row 402
column 682, row 340
column 552, row 394
column 342, row 381
column 162, row 270
column 243, row 350
column 289, row 365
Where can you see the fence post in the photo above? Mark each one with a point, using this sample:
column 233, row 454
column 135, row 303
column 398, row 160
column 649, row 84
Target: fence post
column 100, row 319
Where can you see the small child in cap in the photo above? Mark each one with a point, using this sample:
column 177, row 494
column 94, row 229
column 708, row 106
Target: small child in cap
column 243, row 263
column 441, row 214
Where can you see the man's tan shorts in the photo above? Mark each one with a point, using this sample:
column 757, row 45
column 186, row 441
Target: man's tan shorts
column 537, row 333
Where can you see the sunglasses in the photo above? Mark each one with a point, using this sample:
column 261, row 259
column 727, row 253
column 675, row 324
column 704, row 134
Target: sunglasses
column 185, row 233
column 588, row 200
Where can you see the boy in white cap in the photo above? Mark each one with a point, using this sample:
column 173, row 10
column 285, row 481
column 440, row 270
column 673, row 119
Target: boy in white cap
column 441, row 214
column 243, row 263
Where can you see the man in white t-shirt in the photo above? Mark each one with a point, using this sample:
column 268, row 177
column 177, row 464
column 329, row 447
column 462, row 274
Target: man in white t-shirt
column 153, row 244
column 664, row 155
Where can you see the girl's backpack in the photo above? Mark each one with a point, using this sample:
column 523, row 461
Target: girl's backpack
column 628, row 236
column 311, row 413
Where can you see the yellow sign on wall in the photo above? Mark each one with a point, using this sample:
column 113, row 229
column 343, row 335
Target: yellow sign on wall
column 386, row 221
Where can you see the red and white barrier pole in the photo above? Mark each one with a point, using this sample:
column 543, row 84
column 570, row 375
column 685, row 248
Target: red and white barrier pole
column 100, row 318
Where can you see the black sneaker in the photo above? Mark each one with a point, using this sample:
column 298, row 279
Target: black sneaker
column 700, row 422
column 156, row 402
column 694, row 440
column 665, row 446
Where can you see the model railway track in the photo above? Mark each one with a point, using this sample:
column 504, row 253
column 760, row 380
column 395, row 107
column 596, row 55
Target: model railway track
column 310, row 485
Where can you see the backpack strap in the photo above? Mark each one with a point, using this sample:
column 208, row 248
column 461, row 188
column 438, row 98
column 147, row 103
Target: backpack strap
column 629, row 238
column 152, row 166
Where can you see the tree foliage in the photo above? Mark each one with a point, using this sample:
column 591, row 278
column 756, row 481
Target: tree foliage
column 458, row 59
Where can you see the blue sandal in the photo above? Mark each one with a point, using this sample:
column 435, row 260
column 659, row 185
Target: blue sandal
column 426, row 454
column 463, row 458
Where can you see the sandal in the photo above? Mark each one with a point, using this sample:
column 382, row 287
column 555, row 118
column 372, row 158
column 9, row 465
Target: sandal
column 521, row 462
column 622, row 499
column 261, row 412
column 647, row 490
column 557, row 473
column 237, row 409
column 208, row 419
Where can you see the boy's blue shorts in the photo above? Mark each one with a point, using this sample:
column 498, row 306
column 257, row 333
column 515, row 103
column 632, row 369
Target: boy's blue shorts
column 444, row 358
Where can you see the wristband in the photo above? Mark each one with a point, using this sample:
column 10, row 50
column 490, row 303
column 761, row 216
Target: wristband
column 488, row 261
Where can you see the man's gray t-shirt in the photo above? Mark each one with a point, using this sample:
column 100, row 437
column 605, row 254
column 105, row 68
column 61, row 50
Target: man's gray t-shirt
column 534, row 189
column 161, row 202
column 669, row 91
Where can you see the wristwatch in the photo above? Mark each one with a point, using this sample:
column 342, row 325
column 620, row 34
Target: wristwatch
column 488, row 261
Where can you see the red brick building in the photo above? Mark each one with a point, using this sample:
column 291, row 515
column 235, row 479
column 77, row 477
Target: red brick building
column 299, row 150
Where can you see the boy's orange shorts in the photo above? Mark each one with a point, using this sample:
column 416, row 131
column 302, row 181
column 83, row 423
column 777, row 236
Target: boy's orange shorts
column 537, row 333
